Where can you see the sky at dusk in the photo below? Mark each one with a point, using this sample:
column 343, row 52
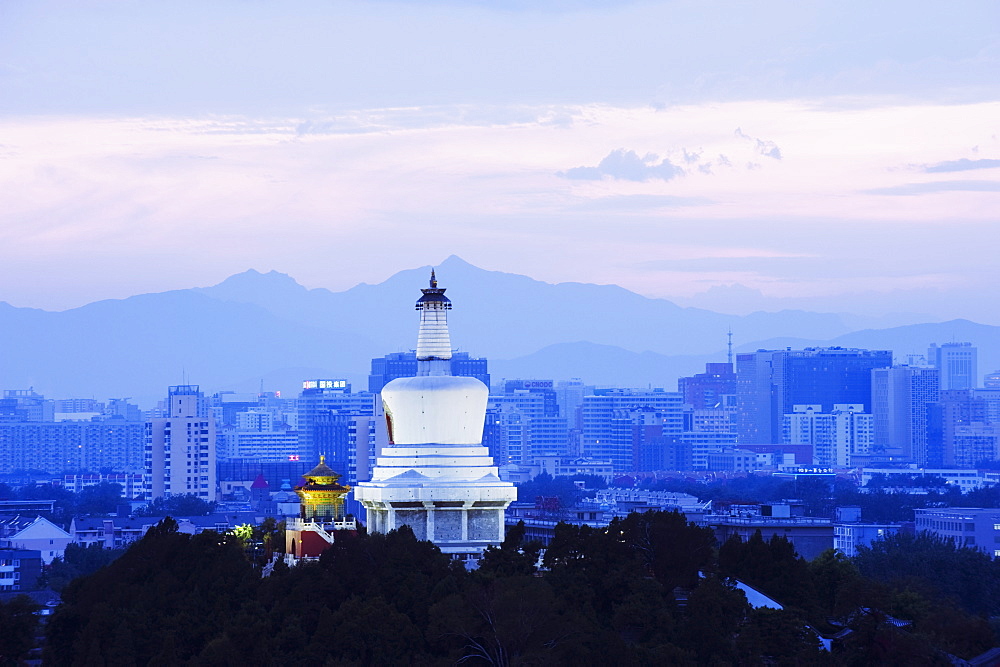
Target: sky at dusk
column 834, row 156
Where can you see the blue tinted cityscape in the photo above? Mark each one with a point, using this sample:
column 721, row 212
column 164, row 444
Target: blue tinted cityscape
column 499, row 333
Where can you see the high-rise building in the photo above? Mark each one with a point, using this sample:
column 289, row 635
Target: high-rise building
column 957, row 363
column 25, row 405
column 120, row 408
column 530, row 404
column 542, row 388
column 709, row 389
column 755, row 398
column 706, row 431
column 321, row 406
column 71, row 405
column 505, row 435
column 547, row 436
column 434, row 475
column 569, row 397
column 346, row 440
column 991, row 396
column 770, row 382
column 495, row 436
column 228, row 404
column 651, row 435
column 607, row 426
column 973, row 445
column 530, row 410
column 255, row 420
column 270, row 445
column 404, row 365
column 72, row 447
column 180, row 448
column 959, row 433
column 900, row 396
column 838, row 438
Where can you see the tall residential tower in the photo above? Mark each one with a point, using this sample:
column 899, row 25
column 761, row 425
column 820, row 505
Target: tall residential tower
column 180, row 448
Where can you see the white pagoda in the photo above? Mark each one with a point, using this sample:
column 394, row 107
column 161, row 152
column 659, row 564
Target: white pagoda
column 435, row 476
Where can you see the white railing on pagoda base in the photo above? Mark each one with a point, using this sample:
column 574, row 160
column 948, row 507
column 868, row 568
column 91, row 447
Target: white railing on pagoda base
column 324, row 528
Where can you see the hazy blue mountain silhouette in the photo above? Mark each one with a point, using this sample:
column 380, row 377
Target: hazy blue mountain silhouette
column 140, row 345
column 506, row 315
column 594, row 364
column 255, row 326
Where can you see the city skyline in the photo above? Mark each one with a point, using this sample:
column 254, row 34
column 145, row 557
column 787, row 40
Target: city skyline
column 255, row 328
column 729, row 157
column 720, row 384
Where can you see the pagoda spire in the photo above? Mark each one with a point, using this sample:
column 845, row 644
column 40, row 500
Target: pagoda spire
column 433, row 339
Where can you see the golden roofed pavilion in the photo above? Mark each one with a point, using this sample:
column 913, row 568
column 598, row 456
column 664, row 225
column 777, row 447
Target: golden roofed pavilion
column 321, row 498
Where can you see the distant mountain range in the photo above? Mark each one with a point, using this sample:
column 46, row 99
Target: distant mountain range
column 256, row 328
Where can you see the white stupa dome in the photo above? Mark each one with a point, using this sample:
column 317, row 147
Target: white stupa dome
column 439, row 409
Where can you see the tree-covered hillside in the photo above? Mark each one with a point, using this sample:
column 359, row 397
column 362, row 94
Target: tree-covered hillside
column 649, row 589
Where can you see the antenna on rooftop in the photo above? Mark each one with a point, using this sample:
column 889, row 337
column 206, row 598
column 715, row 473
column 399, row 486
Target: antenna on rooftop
column 730, row 335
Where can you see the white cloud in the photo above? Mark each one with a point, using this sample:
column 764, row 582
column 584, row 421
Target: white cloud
column 937, row 186
column 159, row 202
column 963, row 164
column 627, row 165
column 765, row 148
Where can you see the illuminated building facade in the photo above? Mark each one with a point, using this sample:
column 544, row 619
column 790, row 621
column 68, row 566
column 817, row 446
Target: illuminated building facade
column 321, row 513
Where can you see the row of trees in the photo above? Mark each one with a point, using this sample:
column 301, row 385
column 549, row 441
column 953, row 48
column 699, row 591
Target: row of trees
column 102, row 500
column 877, row 503
column 649, row 589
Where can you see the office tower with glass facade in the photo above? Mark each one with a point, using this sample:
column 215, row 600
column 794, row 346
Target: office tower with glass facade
column 900, row 396
column 770, row 382
column 957, row 364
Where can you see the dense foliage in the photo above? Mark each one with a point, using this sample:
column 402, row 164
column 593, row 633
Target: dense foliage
column 963, row 575
column 567, row 489
column 78, row 561
column 18, row 624
column 98, row 500
column 649, row 589
column 186, row 505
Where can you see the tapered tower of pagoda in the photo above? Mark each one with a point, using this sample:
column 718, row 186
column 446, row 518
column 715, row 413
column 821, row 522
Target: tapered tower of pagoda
column 435, row 476
column 433, row 339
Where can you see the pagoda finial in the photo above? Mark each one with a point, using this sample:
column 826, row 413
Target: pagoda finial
column 434, row 282
column 322, row 458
